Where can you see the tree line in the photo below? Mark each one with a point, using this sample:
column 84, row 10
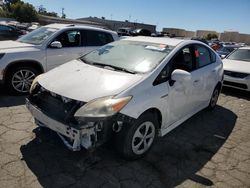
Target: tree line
column 24, row 12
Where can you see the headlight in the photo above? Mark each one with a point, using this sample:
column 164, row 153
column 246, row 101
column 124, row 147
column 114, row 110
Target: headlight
column 102, row 107
column 1, row 55
column 34, row 83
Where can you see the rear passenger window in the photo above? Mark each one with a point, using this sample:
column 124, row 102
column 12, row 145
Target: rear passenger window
column 97, row 38
column 202, row 56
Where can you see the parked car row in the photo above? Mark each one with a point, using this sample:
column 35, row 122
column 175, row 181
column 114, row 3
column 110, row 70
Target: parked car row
column 8, row 32
column 125, row 31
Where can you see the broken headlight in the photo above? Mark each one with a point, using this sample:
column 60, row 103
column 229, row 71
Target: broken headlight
column 102, row 107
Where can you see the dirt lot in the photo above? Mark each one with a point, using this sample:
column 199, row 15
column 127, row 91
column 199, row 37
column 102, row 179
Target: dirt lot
column 210, row 149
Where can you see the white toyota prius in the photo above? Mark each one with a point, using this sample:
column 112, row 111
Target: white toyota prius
column 131, row 90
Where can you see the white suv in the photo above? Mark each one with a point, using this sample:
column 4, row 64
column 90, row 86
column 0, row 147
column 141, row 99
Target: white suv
column 46, row 48
column 134, row 90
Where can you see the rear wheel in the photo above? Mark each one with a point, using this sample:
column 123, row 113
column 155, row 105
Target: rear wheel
column 135, row 140
column 214, row 98
column 20, row 79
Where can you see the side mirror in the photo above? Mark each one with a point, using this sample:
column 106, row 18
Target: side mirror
column 180, row 76
column 56, row 44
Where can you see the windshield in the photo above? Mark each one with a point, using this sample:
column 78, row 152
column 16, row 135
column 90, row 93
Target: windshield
column 38, row 36
column 240, row 54
column 139, row 57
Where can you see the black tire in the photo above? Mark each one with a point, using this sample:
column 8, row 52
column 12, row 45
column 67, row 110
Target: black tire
column 124, row 139
column 12, row 81
column 214, row 98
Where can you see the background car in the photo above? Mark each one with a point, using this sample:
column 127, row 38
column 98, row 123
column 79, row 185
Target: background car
column 141, row 32
column 108, row 94
column 237, row 69
column 9, row 32
column 224, row 50
column 124, row 31
column 46, row 48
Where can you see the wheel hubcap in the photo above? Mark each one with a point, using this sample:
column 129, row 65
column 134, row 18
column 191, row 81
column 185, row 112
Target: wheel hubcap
column 143, row 138
column 214, row 98
column 22, row 80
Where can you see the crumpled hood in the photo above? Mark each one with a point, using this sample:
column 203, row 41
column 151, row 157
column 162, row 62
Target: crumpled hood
column 236, row 66
column 9, row 44
column 83, row 82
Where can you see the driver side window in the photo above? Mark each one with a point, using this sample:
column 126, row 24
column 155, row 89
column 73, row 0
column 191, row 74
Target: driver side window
column 70, row 38
column 182, row 60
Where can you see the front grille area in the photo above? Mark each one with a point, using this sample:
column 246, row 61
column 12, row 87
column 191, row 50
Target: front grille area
column 235, row 74
column 55, row 107
column 242, row 86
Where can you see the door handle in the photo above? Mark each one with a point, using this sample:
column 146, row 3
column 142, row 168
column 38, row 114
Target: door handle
column 164, row 95
column 196, row 81
column 213, row 70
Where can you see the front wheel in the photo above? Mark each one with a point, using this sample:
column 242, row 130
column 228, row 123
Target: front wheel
column 20, row 79
column 134, row 141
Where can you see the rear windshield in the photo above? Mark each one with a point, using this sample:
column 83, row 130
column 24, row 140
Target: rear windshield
column 140, row 57
column 240, row 54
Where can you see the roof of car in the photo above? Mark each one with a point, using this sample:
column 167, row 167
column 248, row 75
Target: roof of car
column 245, row 47
column 158, row 40
column 60, row 26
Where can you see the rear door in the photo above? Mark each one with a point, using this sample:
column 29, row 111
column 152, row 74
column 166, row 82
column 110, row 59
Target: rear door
column 95, row 39
column 203, row 76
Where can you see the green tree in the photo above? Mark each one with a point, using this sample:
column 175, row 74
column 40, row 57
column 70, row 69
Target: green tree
column 211, row 36
column 23, row 12
column 43, row 11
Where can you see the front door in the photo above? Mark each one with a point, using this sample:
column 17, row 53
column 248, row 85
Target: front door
column 179, row 95
column 72, row 48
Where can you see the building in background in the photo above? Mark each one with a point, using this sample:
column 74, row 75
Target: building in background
column 234, row 36
column 176, row 32
column 204, row 33
column 44, row 20
column 1, row 3
column 226, row 36
column 115, row 25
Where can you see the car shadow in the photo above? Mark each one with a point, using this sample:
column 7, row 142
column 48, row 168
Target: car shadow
column 236, row 93
column 8, row 99
column 173, row 159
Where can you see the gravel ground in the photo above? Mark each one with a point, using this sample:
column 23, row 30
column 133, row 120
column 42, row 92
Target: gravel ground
column 209, row 149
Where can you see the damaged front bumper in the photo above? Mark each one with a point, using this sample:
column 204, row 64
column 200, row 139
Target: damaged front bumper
column 72, row 137
column 87, row 135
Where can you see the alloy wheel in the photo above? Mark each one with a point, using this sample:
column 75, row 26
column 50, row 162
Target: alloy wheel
column 22, row 80
column 143, row 137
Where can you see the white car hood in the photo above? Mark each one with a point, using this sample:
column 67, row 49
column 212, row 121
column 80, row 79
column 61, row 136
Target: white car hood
column 9, row 44
column 236, row 65
column 83, row 82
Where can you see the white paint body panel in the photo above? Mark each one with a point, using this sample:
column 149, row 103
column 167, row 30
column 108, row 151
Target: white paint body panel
column 176, row 103
column 83, row 82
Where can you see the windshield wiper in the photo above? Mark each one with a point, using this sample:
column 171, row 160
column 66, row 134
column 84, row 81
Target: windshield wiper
column 113, row 67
